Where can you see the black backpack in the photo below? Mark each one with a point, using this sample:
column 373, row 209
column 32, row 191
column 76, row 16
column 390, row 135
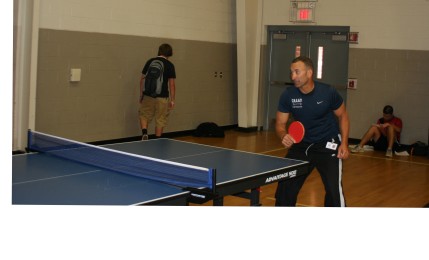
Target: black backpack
column 419, row 148
column 208, row 129
column 154, row 78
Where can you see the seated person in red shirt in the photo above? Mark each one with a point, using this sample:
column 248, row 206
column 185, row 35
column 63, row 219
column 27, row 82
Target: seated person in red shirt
column 385, row 134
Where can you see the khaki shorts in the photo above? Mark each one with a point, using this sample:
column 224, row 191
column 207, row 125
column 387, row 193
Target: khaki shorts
column 157, row 107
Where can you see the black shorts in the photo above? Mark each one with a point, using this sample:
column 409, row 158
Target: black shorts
column 382, row 143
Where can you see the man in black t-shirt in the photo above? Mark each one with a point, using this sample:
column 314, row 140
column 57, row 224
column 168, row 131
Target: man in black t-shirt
column 317, row 106
column 158, row 107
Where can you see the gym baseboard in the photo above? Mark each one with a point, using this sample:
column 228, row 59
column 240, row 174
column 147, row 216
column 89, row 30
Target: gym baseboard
column 164, row 135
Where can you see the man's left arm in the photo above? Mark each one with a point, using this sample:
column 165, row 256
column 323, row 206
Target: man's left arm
column 343, row 119
column 172, row 95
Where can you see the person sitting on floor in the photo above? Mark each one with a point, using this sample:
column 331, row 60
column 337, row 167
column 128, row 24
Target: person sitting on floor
column 385, row 134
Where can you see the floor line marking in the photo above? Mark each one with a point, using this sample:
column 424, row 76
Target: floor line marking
column 390, row 159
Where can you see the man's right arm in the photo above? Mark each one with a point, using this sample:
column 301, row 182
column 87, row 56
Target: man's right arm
column 281, row 121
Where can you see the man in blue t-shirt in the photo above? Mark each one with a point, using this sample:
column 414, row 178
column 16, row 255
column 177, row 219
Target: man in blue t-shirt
column 322, row 111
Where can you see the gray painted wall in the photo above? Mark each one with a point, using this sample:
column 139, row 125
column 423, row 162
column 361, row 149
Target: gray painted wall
column 104, row 104
column 390, row 77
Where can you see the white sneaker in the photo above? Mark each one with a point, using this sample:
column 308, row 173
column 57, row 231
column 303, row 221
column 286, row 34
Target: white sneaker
column 389, row 153
column 368, row 148
column 357, row 149
column 403, row 153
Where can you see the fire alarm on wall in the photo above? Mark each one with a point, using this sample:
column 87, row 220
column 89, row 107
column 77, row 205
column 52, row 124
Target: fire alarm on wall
column 352, row 84
column 353, row 37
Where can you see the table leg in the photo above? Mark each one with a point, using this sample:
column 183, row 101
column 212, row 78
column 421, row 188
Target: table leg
column 218, row 201
column 254, row 196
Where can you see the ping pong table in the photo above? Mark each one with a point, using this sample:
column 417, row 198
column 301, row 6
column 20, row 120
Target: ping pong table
column 43, row 179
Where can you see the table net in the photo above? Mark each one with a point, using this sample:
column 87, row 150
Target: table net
column 173, row 173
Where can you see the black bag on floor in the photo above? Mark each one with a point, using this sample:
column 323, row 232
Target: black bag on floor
column 209, row 129
column 419, row 148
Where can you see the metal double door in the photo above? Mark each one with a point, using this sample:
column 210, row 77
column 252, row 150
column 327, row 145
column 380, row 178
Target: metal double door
column 327, row 46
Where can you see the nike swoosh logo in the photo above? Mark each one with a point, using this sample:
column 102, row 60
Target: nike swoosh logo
column 319, row 102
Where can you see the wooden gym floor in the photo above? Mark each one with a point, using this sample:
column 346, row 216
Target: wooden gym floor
column 369, row 179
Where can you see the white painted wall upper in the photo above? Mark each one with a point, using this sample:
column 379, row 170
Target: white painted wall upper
column 201, row 20
column 382, row 24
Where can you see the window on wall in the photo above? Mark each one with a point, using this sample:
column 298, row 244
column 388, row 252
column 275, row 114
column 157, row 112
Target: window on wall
column 297, row 51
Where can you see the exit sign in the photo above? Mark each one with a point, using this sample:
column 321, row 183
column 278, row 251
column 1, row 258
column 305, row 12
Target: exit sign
column 302, row 11
column 305, row 14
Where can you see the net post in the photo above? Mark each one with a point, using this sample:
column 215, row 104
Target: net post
column 29, row 140
column 213, row 181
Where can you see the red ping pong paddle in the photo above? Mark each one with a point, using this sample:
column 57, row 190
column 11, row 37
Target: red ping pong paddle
column 297, row 131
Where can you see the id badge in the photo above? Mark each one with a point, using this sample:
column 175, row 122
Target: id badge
column 331, row 145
